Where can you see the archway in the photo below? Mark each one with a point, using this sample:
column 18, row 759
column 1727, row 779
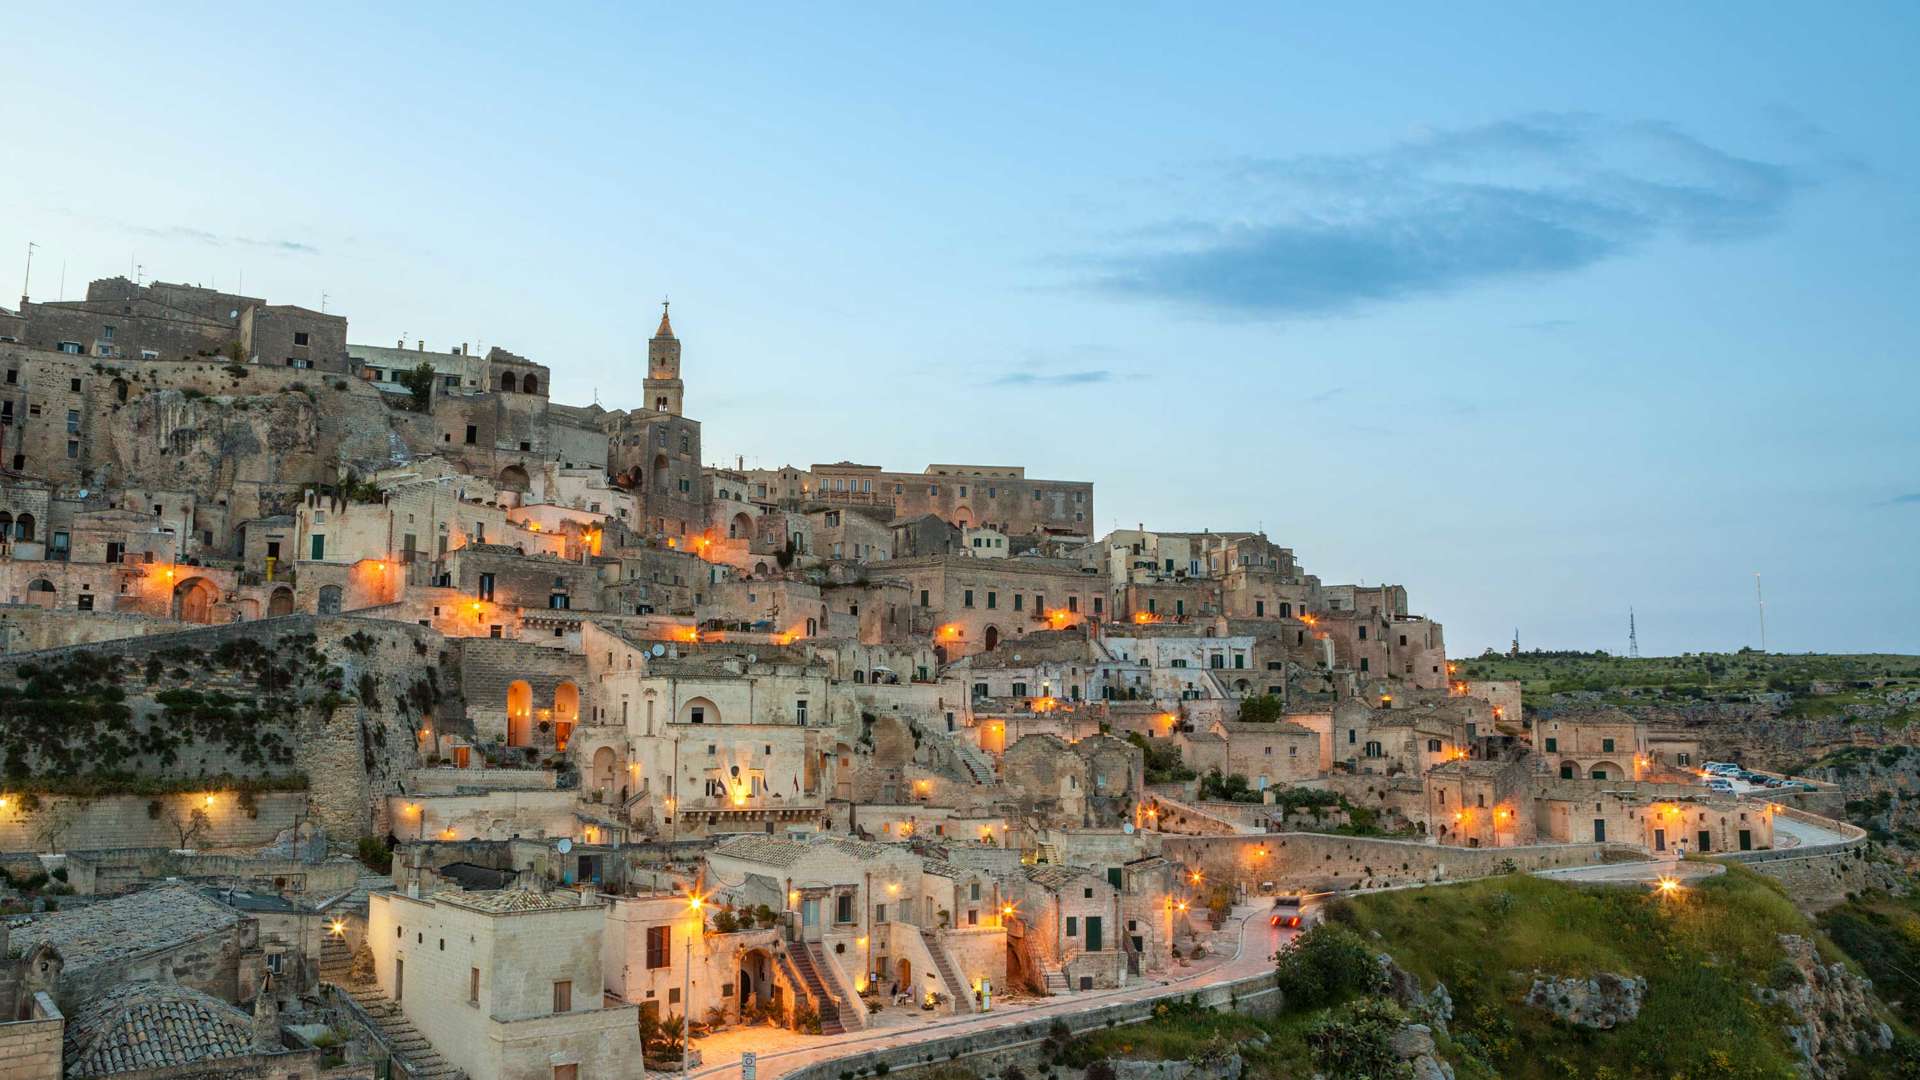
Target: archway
column 1606, row 770
column 699, row 710
column 514, row 478
column 566, row 713
column 329, row 603
column 603, row 772
column 530, row 384
column 23, row 527
column 506, row 381
column 247, row 609
column 6, row 525
column 993, row 637
column 519, row 713
column 903, row 976
column 659, row 477
column 280, row 603
column 963, row 517
column 41, row 593
column 1241, row 686
column 193, row 600
column 759, row 569
column 754, row 987
column 741, row 528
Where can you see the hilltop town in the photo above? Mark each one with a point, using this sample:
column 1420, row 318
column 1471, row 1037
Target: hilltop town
column 366, row 711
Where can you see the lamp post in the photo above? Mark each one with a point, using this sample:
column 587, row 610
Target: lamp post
column 686, row 989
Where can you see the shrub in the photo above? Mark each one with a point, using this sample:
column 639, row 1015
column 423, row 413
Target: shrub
column 1355, row 1042
column 375, row 856
column 1101, row 1069
column 1326, row 966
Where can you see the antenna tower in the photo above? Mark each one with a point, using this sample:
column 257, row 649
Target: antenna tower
column 1633, row 636
column 1760, row 598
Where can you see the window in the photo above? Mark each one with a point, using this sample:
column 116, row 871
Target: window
column 1553, row 745
column 967, row 599
column 473, row 434
column 1433, row 746
column 106, row 333
column 659, row 948
column 979, row 689
column 1096, row 605
column 1403, row 639
column 1073, row 926
column 993, row 600
column 843, row 908
column 923, row 598
column 300, row 337
column 486, row 586
column 1019, row 689
column 1363, row 633
column 73, row 421
column 1259, row 608
column 698, row 715
column 1606, row 746
column 473, row 986
column 566, row 1072
column 800, row 712
column 73, row 448
column 563, row 996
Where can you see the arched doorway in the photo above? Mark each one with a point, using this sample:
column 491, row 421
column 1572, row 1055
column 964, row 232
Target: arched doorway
column 514, row 478
column 754, row 987
column 41, row 593
column 903, row 976
column 604, row 766
column 280, row 603
column 193, row 600
column 519, row 713
column 741, row 528
column 993, row 637
column 566, row 713
column 329, row 600
column 963, row 517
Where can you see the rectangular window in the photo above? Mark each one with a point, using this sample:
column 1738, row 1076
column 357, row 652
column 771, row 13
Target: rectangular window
column 800, row 712
column 300, row 337
column 563, row 996
column 1073, row 926
column 659, row 948
column 473, row 434
column 843, row 908
column 923, row 598
column 967, row 599
column 86, row 601
column 473, row 986
column 1553, row 745
column 1606, row 746
column 486, row 587
column 73, row 421
column 319, row 546
column 993, row 600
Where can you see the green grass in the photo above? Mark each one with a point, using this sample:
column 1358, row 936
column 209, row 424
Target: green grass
column 1861, row 678
column 1700, row 954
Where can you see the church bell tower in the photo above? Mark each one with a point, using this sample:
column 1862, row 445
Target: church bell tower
column 664, row 388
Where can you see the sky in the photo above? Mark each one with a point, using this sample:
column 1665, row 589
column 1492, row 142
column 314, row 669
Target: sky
column 1546, row 312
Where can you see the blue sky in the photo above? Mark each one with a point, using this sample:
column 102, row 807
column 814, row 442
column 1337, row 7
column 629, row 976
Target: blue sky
column 1542, row 311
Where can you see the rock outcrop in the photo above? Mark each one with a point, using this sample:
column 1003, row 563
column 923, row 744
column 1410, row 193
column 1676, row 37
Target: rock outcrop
column 1599, row 1002
column 1834, row 1005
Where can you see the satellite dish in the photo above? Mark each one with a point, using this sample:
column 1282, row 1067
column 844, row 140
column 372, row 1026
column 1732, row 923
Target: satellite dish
column 234, row 314
column 1125, row 827
column 753, row 658
column 565, row 844
column 658, row 649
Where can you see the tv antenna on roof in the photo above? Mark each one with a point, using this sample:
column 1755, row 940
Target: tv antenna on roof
column 1760, row 599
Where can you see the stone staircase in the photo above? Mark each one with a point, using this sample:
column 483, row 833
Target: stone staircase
column 410, row 1049
column 974, row 760
column 336, row 960
column 962, row 993
column 1053, row 979
column 800, row 961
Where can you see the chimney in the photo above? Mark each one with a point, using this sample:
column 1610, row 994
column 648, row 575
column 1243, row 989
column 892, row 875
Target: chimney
column 463, row 348
column 420, row 345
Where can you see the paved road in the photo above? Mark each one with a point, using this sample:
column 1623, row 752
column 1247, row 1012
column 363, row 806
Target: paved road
column 1635, row 873
column 1801, row 834
column 1256, row 944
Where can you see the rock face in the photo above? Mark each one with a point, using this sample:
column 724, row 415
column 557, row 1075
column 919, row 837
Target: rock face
column 1834, row 1006
column 1597, row 1003
column 1414, row 1045
column 1227, row 1068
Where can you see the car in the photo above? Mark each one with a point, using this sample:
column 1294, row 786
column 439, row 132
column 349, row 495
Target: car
column 1286, row 912
column 1720, row 768
column 1720, row 785
column 1773, row 781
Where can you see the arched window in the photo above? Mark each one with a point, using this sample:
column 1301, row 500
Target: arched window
column 23, row 527
column 530, row 384
column 506, row 380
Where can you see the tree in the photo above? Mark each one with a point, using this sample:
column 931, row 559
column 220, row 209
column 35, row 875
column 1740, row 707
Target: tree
column 1326, row 966
column 1356, row 1042
column 418, row 382
column 1260, row 709
column 188, row 826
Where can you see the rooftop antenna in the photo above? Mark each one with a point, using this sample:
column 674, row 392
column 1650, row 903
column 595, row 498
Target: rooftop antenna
column 1633, row 636
column 1760, row 599
column 139, row 273
column 27, row 281
column 323, row 302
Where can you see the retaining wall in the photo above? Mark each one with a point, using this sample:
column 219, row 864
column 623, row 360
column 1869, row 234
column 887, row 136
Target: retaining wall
column 70, row 823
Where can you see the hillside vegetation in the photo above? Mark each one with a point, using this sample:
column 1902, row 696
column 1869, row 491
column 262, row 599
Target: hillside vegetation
column 1702, row 954
column 1813, row 685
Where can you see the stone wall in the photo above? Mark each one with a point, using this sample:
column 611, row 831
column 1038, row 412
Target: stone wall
column 69, row 823
column 1314, row 862
column 30, row 1049
column 28, row 627
column 112, row 871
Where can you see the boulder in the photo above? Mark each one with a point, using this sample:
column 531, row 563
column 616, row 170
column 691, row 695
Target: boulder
column 1597, row 1003
column 1834, row 1006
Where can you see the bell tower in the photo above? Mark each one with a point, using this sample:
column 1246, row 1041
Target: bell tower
column 663, row 386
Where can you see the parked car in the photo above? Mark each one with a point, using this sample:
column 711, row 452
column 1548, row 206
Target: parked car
column 1720, row 785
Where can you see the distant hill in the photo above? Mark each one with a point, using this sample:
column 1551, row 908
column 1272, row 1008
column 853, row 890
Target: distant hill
column 1885, row 686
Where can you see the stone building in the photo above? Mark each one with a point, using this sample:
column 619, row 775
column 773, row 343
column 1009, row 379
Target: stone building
column 1001, row 496
column 506, row 985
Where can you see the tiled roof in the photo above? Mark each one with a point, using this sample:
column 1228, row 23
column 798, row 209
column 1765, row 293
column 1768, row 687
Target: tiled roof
column 139, row 1026
column 511, row 901
column 775, row 851
column 1049, row 876
column 127, row 926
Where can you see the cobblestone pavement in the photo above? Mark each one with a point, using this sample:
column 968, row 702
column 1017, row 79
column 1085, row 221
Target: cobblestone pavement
column 781, row 1052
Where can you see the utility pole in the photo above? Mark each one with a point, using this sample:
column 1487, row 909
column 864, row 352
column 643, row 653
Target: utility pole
column 1760, row 599
column 1633, row 637
column 27, row 282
